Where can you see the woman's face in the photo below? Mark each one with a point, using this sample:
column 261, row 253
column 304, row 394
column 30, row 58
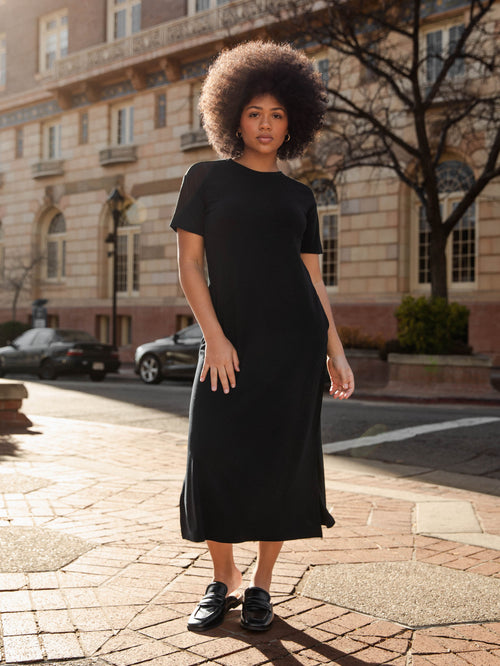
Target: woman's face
column 263, row 124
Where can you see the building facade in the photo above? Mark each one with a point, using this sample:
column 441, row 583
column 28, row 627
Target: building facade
column 102, row 94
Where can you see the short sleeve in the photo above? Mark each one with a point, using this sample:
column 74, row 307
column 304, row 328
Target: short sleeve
column 311, row 241
column 189, row 212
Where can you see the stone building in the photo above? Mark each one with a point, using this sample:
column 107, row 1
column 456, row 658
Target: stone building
column 103, row 93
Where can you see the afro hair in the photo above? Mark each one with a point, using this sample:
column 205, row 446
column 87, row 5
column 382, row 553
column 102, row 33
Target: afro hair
column 257, row 68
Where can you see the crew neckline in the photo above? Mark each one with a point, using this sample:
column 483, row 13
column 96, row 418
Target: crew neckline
column 255, row 170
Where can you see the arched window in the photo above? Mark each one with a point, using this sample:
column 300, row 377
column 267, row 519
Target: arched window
column 127, row 253
column 56, row 248
column 326, row 199
column 453, row 178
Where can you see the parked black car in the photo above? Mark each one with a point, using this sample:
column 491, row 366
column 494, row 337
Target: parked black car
column 175, row 356
column 49, row 352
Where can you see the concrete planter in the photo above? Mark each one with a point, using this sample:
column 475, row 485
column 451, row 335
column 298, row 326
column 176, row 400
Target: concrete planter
column 424, row 375
column 12, row 395
column 369, row 370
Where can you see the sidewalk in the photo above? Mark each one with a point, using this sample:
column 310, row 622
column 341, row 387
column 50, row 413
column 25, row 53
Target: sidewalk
column 93, row 570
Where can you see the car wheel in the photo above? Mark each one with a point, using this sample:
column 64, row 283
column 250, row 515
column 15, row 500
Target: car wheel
column 47, row 370
column 150, row 370
column 2, row 368
column 97, row 376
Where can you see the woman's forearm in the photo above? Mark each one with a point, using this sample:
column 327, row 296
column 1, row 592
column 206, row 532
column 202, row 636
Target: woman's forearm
column 334, row 347
column 195, row 289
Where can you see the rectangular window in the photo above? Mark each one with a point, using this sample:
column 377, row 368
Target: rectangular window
column 124, row 18
column 52, row 259
column 324, row 70
column 135, row 263
column 196, row 6
column 136, row 18
column 52, row 142
column 124, row 330
column 84, row 128
column 102, row 328
column 434, row 55
column 121, row 264
column 330, row 249
column 127, row 261
column 161, row 110
column 464, row 248
column 19, row 142
column 63, row 258
column 3, row 61
column 120, row 23
column 439, row 45
column 455, row 33
column 123, row 121
column 53, row 39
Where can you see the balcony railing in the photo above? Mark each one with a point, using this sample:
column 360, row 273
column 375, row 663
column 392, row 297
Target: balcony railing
column 159, row 38
column 46, row 168
column 196, row 139
column 117, row 155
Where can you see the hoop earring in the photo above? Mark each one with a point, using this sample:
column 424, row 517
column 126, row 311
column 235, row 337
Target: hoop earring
column 239, row 134
column 287, row 138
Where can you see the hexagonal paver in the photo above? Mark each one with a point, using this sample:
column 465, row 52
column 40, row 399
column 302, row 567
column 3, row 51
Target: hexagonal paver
column 31, row 549
column 414, row 594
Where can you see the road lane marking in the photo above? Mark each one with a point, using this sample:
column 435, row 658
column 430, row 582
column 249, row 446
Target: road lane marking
column 406, row 433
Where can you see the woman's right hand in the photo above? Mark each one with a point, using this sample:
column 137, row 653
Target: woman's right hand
column 221, row 359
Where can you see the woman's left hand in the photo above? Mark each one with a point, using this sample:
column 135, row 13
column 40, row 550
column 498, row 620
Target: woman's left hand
column 341, row 377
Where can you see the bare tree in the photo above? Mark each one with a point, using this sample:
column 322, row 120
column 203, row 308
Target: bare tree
column 401, row 95
column 18, row 276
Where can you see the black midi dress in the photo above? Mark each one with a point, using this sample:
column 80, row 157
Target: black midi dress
column 255, row 465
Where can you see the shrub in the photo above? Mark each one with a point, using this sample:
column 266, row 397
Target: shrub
column 353, row 338
column 10, row 330
column 432, row 326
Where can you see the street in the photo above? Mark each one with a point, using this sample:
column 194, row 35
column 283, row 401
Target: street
column 456, row 438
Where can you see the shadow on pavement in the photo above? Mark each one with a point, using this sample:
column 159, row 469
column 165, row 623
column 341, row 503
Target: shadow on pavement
column 8, row 446
column 270, row 645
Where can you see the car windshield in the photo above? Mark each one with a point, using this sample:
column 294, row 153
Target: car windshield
column 75, row 336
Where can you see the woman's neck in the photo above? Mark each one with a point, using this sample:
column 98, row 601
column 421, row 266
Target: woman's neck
column 258, row 162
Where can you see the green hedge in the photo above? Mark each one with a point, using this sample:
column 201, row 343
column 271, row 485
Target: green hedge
column 432, row 326
column 9, row 330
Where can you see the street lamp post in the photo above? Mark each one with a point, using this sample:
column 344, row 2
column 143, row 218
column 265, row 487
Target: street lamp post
column 115, row 203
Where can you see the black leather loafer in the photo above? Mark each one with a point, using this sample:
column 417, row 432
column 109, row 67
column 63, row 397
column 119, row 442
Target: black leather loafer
column 211, row 609
column 257, row 612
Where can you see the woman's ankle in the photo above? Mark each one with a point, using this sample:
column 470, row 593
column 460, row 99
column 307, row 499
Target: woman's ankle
column 232, row 579
column 262, row 581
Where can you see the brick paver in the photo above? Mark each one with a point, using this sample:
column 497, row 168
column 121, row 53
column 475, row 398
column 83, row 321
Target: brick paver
column 127, row 599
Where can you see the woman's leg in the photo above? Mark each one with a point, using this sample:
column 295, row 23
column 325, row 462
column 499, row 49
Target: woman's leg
column 266, row 558
column 225, row 570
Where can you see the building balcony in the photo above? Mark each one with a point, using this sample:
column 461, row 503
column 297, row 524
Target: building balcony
column 46, row 168
column 117, row 155
column 161, row 41
column 196, row 139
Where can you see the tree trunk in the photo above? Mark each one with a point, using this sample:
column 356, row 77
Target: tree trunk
column 14, row 305
column 439, row 278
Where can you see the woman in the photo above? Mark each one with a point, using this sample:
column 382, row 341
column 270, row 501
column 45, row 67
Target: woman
column 255, row 467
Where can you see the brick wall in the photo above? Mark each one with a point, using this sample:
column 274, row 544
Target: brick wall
column 154, row 12
column 86, row 24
